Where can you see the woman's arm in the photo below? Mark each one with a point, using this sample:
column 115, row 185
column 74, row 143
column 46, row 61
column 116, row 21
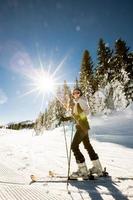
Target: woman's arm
column 84, row 105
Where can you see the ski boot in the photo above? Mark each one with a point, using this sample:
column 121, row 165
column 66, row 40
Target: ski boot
column 82, row 172
column 97, row 168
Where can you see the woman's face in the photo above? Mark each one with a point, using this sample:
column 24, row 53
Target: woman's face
column 76, row 94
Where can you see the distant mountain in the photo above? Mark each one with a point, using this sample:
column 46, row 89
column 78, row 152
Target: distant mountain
column 20, row 125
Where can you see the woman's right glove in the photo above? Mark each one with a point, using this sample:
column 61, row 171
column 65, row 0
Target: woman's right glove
column 64, row 119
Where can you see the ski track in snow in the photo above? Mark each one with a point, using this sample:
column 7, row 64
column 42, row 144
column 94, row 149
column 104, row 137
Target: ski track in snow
column 23, row 154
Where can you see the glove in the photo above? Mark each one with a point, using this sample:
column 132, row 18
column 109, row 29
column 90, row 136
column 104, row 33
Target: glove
column 63, row 119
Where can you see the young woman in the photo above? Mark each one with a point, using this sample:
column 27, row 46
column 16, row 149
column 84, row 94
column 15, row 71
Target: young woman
column 80, row 110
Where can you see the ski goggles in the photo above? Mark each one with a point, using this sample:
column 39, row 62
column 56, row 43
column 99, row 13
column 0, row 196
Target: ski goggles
column 76, row 92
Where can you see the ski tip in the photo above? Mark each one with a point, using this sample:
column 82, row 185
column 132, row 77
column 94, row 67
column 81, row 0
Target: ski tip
column 33, row 178
column 51, row 173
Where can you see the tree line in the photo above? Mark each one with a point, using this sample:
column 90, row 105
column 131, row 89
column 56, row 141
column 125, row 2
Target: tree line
column 107, row 85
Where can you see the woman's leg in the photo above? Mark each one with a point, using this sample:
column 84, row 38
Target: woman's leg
column 75, row 146
column 97, row 167
column 89, row 148
column 82, row 168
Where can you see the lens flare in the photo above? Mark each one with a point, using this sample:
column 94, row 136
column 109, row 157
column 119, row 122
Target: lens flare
column 43, row 83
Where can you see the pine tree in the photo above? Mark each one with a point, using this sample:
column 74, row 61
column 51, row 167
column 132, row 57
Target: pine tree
column 120, row 60
column 66, row 92
column 129, row 85
column 103, row 77
column 51, row 115
column 85, row 72
column 121, row 63
column 103, row 70
column 120, row 101
column 76, row 83
column 86, row 77
column 38, row 126
column 45, row 118
column 60, row 101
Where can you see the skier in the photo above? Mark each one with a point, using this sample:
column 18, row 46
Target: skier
column 80, row 110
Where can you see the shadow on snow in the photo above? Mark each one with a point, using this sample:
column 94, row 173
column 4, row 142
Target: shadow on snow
column 93, row 189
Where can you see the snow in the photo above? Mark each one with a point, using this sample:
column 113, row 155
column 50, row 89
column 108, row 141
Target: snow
column 23, row 154
column 116, row 128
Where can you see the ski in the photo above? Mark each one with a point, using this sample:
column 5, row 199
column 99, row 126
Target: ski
column 57, row 178
column 47, row 179
column 53, row 177
column 64, row 179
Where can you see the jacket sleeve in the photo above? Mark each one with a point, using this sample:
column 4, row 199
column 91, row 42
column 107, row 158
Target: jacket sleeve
column 84, row 105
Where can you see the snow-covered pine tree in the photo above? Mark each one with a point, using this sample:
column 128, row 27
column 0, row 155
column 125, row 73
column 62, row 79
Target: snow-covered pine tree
column 66, row 94
column 121, row 76
column 63, row 100
column 129, row 86
column 51, row 117
column 120, row 60
column 60, row 101
column 38, row 126
column 103, row 69
column 76, row 85
column 85, row 72
column 119, row 98
column 59, row 111
column 103, row 76
column 45, row 123
column 55, row 109
column 86, row 77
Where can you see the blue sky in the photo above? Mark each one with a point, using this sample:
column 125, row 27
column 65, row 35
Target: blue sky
column 52, row 29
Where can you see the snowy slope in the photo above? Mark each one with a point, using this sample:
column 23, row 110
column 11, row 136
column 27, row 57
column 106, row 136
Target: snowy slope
column 23, row 154
column 116, row 128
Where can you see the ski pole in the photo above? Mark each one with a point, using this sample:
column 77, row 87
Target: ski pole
column 64, row 130
column 69, row 158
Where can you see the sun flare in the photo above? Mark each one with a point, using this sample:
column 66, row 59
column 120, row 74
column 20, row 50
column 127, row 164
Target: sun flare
column 44, row 83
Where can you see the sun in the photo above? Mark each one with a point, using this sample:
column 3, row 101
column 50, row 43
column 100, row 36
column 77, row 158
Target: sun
column 44, row 83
